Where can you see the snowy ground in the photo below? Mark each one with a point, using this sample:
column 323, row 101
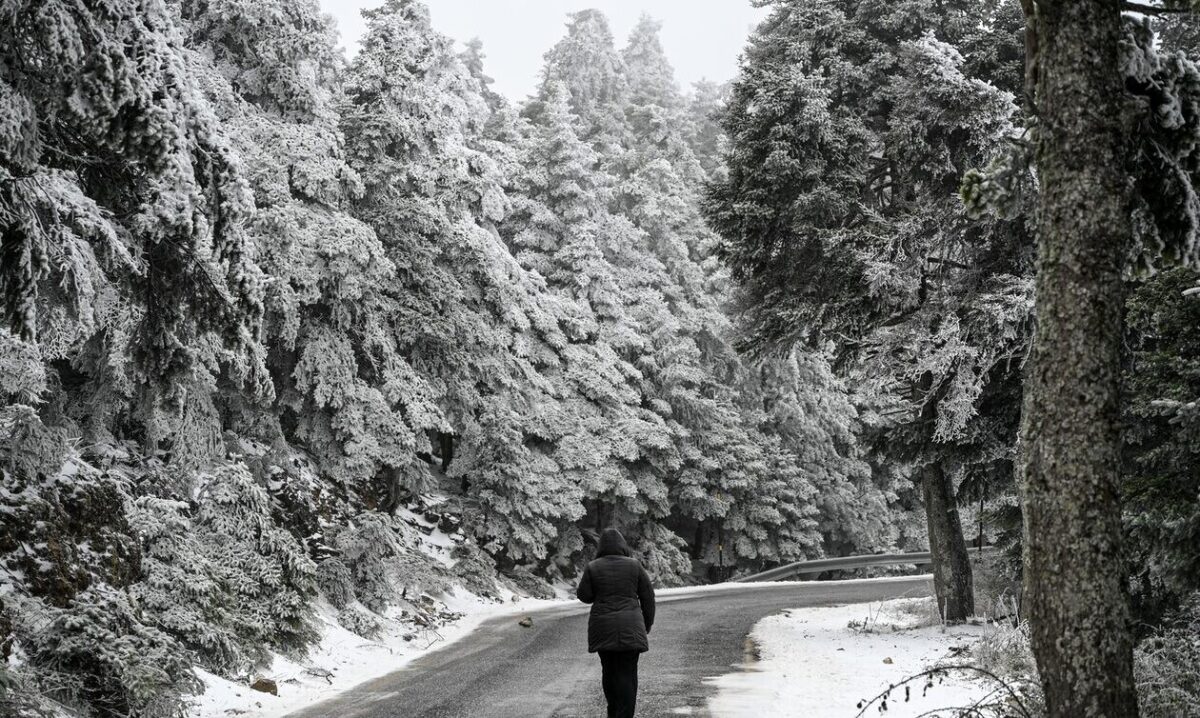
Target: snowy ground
column 342, row 660
column 821, row 662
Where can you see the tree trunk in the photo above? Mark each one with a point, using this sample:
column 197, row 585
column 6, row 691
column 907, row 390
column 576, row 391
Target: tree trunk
column 446, row 449
column 1070, row 440
column 952, row 581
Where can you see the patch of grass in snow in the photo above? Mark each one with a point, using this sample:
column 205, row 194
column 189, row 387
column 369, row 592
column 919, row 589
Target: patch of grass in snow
column 1006, row 654
column 919, row 612
column 997, row 589
column 1006, row 651
column 898, row 615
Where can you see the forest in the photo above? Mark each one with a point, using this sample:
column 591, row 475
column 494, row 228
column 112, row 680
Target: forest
column 267, row 310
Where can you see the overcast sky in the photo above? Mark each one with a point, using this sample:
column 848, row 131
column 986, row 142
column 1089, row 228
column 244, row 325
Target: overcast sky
column 702, row 37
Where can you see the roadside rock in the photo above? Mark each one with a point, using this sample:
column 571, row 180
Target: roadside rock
column 265, row 685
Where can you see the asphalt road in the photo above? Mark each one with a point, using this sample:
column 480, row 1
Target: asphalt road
column 503, row 670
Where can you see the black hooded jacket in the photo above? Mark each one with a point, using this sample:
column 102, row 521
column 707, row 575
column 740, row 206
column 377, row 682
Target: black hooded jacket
column 621, row 596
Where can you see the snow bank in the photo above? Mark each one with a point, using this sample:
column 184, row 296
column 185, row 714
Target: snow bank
column 343, row 660
column 820, row 662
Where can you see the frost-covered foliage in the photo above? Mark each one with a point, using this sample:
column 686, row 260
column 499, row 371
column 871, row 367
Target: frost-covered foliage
column 69, row 553
column 122, row 206
column 876, row 243
column 1164, row 83
column 849, row 129
column 1160, row 491
column 336, row 582
column 607, row 209
column 359, row 622
column 98, row 652
column 586, row 62
column 1158, row 58
column 370, row 551
column 222, row 576
column 476, row 326
column 812, row 413
column 19, row 699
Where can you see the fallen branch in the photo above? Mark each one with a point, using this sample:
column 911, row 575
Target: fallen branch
column 941, row 672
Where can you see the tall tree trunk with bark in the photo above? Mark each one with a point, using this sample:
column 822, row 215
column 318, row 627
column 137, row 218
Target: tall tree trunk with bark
column 1070, row 440
column 952, row 580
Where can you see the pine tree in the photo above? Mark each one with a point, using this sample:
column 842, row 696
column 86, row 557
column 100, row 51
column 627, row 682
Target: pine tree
column 277, row 93
column 1160, row 485
column 591, row 71
column 1070, row 450
column 706, row 136
column 1132, row 159
column 121, row 194
column 850, row 128
column 470, row 322
column 562, row 229
column 729, row 473
column 129, row 274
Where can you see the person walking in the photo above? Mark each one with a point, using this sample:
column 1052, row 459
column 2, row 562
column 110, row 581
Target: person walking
column 622, row 600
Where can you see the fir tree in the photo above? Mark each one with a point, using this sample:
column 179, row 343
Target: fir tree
column 726, row 472
column 592, row 73
column 562, row 229
column 851, row 126
column 120, row 193
column 467, row 322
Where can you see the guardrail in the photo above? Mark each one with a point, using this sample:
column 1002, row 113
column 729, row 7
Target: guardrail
column 819, row 565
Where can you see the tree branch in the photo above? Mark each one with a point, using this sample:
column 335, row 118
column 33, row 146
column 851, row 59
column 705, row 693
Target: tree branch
column 948, row 262
column 942, row 671
column 1137, row 7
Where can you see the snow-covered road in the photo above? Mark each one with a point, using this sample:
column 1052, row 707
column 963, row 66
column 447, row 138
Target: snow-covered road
column 503, row 669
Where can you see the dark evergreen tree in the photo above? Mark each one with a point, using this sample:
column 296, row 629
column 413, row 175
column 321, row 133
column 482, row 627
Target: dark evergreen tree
column 1160, row 481
column 850, row 128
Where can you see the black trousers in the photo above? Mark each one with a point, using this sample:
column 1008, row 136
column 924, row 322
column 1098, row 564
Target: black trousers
column 620, row 681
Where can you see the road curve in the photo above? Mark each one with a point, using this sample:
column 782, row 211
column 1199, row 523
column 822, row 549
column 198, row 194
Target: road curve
column 505, row 671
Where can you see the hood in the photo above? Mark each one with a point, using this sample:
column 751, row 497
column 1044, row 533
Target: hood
column 612, row 543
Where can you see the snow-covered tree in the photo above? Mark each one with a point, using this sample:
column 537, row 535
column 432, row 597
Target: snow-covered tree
column 123, row 206
column 706, row 136
column 326, row 301
column 590, row 69
column 1132, row 161
column 850, row 127
column 468, row 321
column 1160, row 481
column 562, row 229
column 727, row 469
